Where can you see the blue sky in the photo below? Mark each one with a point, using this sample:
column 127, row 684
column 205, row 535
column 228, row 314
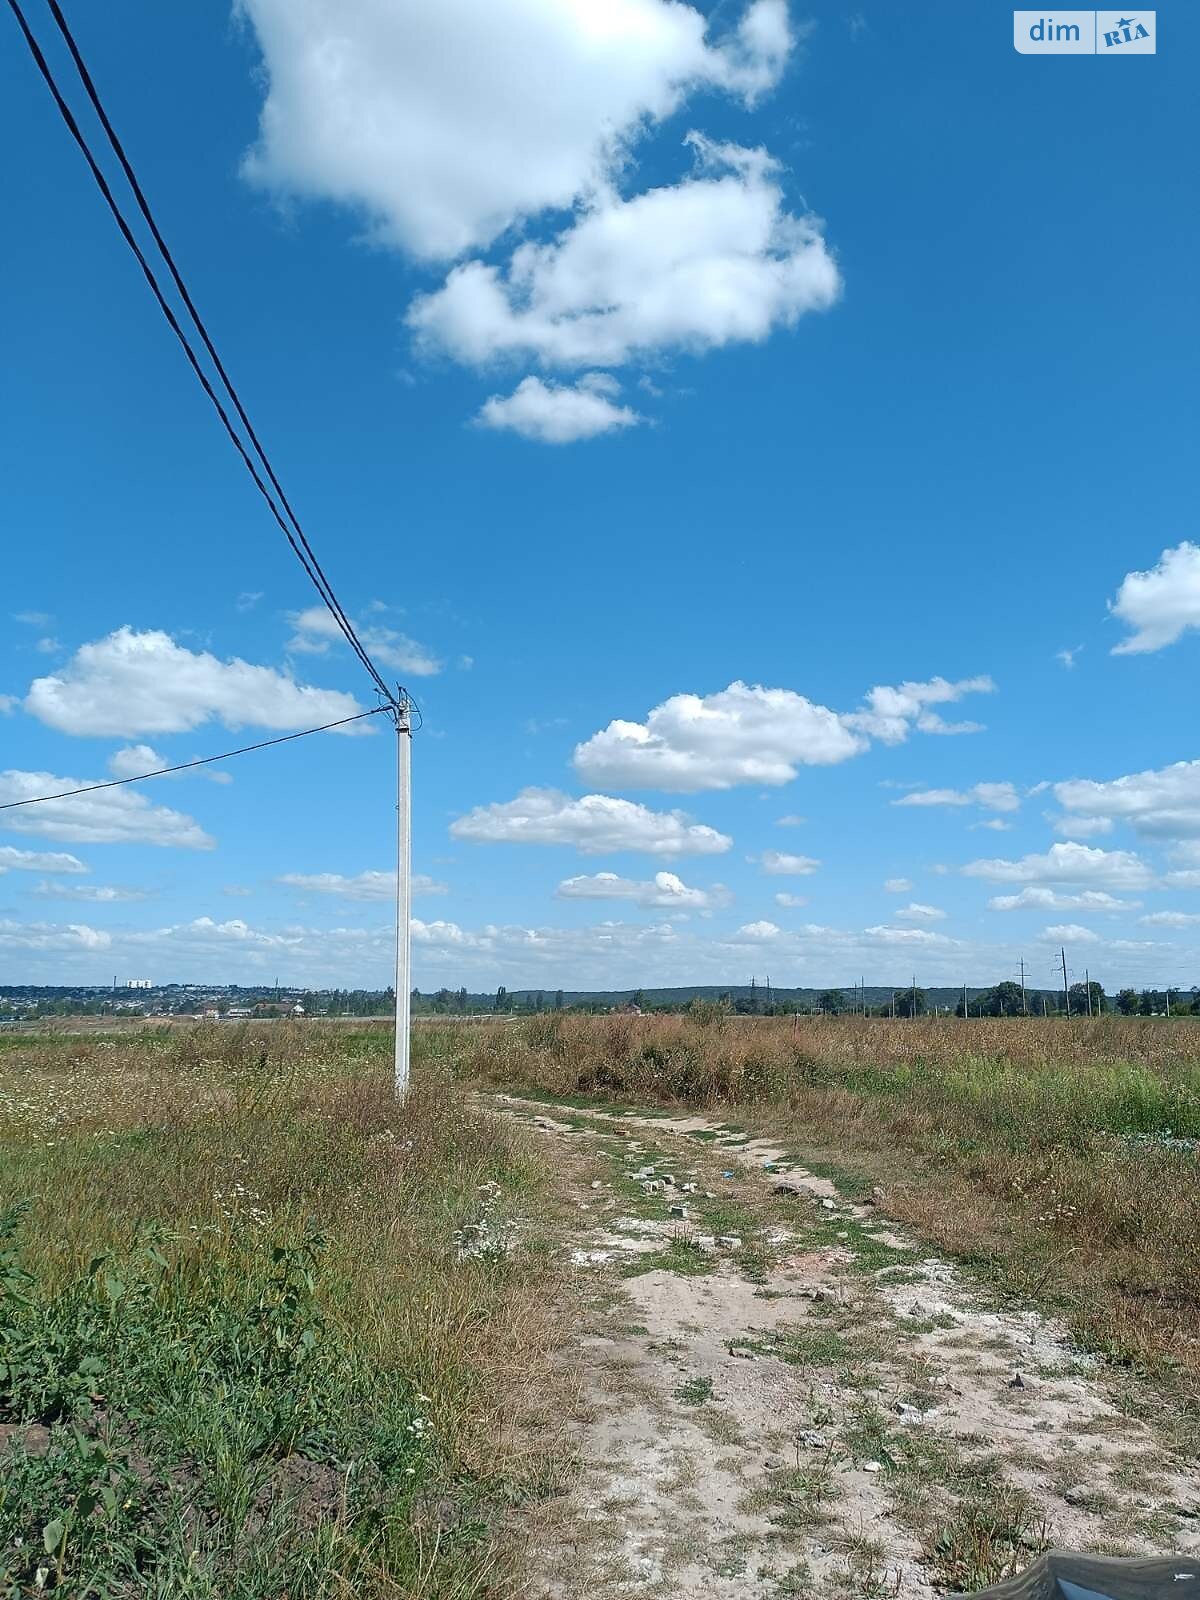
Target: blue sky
column 714, row 415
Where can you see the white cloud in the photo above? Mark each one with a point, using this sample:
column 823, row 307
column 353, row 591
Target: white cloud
column 1162, row 604
column 790, row 821
column 1171, row 919
column 916, row 912
column 8, row 704
column 917, row 937
column 782, row 865
column 594, row 824
column 1158, row 804
column 363, row 886
column 133, row 760
column 1068, row 863
column 664, row 891
column 1054, row 900
column 791, row 901
column 98, row 893
column 140, row 760
column 713, row 260
column 751, row 734
column 445, row 125
column 141, row 683
column 1075, row 827
column 33, row 619
column 1069, row 933
column 1067, row 657
column 555, row 413
column 72, row 936
column 991, row 796
column 14, row 860
column 759, row 930
column 110, row 816
column 892, row 712
column 992, row 824
column 897, row 885
column 316, row 629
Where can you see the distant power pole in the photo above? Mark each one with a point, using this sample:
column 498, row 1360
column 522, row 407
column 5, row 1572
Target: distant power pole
column 966, row 1013
column 1024, row 1002
column 1087, row 988
column 914, row 997
column 893, row 1005
column 1066, row 991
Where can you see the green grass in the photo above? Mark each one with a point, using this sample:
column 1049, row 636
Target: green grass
column 282, row 1355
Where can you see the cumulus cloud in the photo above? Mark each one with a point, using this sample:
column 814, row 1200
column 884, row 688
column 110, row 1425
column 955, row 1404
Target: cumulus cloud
column 39, row 936
column 991, row 796
column 556, row 413
column 713, row 260
column 892, row 712
column 134, row 760
column 664, row 891
column 14, row 860
column 594, row 824
column 443, row 126
column 791, row 902
column 1069, row 933
column 1158, row 804
column 1162, row 604
column 917, row 937
column 110, row 816
column 1171, row 919
column 782, row 865
column 143, row 683
column 1039, row 899
column 97, row 893
column 897, row 885
column 139, row 760
column 751, row 734
column 316, row 629
column 362, row 886
column 1068, row 863
column 916, row 912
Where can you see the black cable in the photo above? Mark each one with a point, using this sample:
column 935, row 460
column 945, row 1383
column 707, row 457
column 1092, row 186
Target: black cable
column 314, row 571
column 203, row 761
column 144, row 206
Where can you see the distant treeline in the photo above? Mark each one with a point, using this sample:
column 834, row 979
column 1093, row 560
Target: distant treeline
column 1007, row 999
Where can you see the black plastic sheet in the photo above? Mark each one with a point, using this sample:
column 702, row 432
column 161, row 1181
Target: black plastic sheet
column 1063, row 1575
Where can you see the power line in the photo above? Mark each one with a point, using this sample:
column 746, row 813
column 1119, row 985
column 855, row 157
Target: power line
column 203, row 761
column 302, row 549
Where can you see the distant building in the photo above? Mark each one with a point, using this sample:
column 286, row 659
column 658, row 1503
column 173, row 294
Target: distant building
column 138, row 983
column 297, row 1010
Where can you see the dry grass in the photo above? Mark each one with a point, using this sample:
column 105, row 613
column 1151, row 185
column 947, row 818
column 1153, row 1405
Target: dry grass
column 1052, row 1154
column 221, row 1145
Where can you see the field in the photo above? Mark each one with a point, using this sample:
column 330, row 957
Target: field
column 262, row 1332
column 261, row 1320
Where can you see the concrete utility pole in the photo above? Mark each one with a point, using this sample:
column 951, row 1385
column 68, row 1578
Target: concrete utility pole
column 1066, row 991
column 1024, row 1002
column 403, row 723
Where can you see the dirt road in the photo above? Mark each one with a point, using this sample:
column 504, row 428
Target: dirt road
column 785, row 1395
